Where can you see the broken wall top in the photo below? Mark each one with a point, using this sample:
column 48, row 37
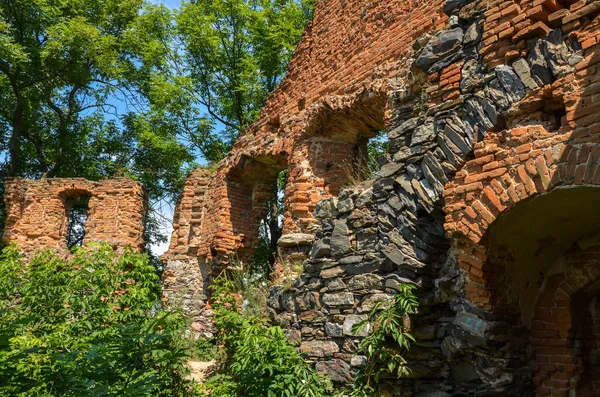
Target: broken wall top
column 332, row 99
column 37, row 212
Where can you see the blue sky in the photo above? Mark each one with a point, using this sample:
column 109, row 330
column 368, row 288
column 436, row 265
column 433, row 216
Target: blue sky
column 172, row 4
column 166, row 210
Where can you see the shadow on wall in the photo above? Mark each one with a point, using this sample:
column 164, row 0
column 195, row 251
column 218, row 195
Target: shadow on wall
column 250, row 186
column 535, row 263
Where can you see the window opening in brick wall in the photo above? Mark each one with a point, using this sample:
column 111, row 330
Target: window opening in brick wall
column 369, row 154
column 271, row 227
column 376, row 151
column 77, row 213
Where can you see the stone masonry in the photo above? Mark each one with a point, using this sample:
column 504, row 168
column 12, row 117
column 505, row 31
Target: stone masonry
column 486, row 199
column 38, row 212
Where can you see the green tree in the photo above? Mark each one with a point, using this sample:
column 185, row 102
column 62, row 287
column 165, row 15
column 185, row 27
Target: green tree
column 79, row 82
column 64, row 68
column 84, row 327
column 235, row 52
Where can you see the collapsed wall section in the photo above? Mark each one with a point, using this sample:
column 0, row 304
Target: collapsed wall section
column 38, row 212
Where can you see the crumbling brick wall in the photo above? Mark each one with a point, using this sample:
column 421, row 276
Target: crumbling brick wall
column 38, row 212
column 332, row 99
column 490, row 108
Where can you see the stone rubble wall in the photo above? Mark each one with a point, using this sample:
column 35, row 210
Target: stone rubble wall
column 37, row 212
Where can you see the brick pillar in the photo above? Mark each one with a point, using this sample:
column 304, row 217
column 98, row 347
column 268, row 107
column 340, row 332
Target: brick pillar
column 186, row 275
column 189, row 212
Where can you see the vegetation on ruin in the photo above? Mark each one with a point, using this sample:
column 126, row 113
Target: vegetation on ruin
column 260, row 361
column 363, row 170
column 92, row 325
column 388, row 339
column 256, row 359
column 87, row 326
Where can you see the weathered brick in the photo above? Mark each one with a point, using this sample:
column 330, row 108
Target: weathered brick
column 37, row 212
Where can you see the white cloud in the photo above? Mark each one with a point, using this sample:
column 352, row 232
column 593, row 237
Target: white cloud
column 166, row 211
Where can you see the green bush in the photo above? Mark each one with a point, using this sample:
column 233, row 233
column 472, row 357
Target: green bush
column 388, row 340
column 204, row 349
column 87, row 326
column 260, row 361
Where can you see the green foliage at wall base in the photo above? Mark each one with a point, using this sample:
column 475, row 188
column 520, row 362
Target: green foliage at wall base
column 84, row 327
column 388, row 340
column 260, row 361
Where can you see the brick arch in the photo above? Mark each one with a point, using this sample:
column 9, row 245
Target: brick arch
column 551, row 140
column 230, row 220
column 510, row 168
column 530, row 161
column 493, row 184
column 331, row 133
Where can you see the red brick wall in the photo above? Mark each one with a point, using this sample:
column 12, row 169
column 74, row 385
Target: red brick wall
column 189, row 213
column 539, row 152
column 332, row 98
column 565, row 329
column 37, row 212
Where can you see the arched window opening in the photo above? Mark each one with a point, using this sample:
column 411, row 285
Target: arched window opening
column 271, row 227
column 77, row 214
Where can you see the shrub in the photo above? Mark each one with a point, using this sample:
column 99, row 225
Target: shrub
column 260, row 361
column 387, row 342
column 359, row 171
column 87, row 326
column 204, row 349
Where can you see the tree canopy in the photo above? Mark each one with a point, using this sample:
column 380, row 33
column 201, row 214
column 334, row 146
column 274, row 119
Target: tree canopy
column 234, row 53
column 77, row 82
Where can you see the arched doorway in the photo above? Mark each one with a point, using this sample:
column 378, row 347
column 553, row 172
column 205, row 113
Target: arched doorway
column 542, row 272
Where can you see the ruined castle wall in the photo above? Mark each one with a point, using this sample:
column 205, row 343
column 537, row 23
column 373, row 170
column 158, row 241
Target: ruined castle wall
column 189, row 213
column 349, row 45
column 507, row 112
column 37, row 212
column 332, row 97
column 490, row 109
